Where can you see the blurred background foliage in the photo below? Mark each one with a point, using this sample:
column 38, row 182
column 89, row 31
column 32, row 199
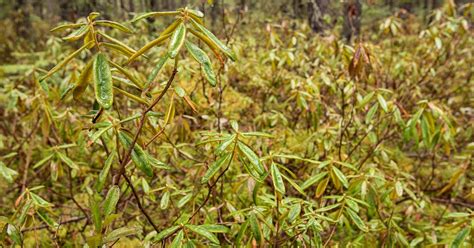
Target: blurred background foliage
column 360, row 112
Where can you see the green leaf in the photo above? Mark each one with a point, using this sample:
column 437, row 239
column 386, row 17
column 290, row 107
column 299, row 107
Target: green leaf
column 215, row 228
column 45, row 217
column 38, row 201
column 100, row 132
column 77, row 34
column 277, row 179
column 460, row 237
column 165, row 233
column 154, row 14
column 111, row 200
column 165, row 199
column 43, row 161
column 103, row 81
column 115, row 25
column 203, row 232
column 214, row 168
column 382, row 103
column 148, row 46
column 184, row 200
column 157, row 69
column 255, row 228
column 312, row 180
column 294, row 213
column 119, row 233
column 7, row 173
column 225, row 143
column 252, row 157
column 139, row 157
column 104, row 172
column 357, row 220
column 229, row 53
column 177, row 40
column 67, row 26
column 95, row 213
column 65, row 61
column 340, row 176
column 206, row 65
column 67, row 161
column 177, row 240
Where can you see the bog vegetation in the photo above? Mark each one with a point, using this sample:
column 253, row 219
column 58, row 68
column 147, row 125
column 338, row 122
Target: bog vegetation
column 173, row 129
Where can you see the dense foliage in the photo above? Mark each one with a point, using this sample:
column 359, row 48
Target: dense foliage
column 156, row 132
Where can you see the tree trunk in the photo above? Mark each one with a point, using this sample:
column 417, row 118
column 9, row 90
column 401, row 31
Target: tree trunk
column 352, row 11
column 316, row 11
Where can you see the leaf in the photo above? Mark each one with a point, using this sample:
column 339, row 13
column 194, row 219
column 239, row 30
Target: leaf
column 203, row 232
column 460, row 237
column 340, row 176
column 322, row 187
column 115, row 25
column 100, row 132
column 177, row 240
column 119, row 233
column 95, row 213
column 38, row 201
column 215, row 228
column 136, row 81
column 103, row 81
column 312, row 180
column 64, row 62
column 67, row 26
column 132, row 96
column 382, row 102
column 104, row 172
column 214, row 168
column 294, row 213
column 255, row 228
column 177, row 40
column 125, row 47
column 157, row 69
column 357, row 220
column 111, row 200
column 154, row 14
column 7, row 173
column 77, row 34
column 252, row 157
column 241, row 232
column 225, row 143
column 43, row 161
column 201, row 57
column 165, row 199
column 184, row 200
column 139, row 157
column 83, row 81
column 229, row 53
column 165, row 233
column 277, row 179
column 170, row 112
column 67, row 161
column 148, row 46
column 45, row 217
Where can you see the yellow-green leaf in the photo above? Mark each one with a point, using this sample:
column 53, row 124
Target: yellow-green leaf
column 64, row 62
column 139, row 157
column 227, row 51
column 214, row 168
column 177, row 40
column 103, row 81
column 277, row 179
column 111, row 200
column 201, row 57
